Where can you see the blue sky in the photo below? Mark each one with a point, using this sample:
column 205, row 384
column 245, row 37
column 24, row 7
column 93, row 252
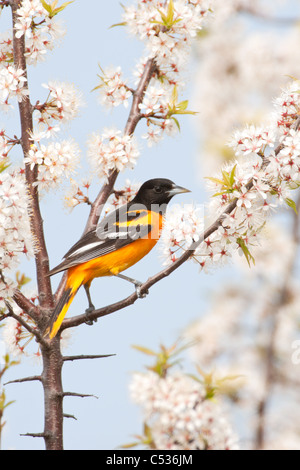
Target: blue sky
column 110, row 420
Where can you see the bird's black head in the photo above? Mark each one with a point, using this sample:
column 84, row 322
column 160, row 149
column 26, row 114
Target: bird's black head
column 157, row 191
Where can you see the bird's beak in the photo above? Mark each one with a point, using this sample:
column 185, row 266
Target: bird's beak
column 177, row 190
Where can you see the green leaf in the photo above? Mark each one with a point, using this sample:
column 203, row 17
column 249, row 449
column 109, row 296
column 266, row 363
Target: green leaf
column 182, row 106
column 170, row 12
column 174, row 95
column 3, row 166
column 176, row 122
column 124, row 23
column 232, row 176
column 8, row 403
column 46, row 6
column 130, row 445
column 246, row 251
column 291, row 204
column 215, row 180
column 51, row 8
column 147, row 351
column 167, row 19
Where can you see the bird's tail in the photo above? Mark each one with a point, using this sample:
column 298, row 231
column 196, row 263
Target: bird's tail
column 72, row 285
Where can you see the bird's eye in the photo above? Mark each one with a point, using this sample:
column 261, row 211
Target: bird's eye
column 158, row 189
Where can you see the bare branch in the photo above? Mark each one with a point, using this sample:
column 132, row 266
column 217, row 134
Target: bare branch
column 38, row 434
column 34, row 378
column 65, row 415
column 21, row 320
column 78, row 358
column 80, row 395
column 25, row 304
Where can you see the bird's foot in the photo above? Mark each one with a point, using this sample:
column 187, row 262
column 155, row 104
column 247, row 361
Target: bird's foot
column 88, row 311
column 138, row 286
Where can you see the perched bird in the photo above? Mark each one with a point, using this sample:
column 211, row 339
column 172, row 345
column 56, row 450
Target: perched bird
column 119, row 241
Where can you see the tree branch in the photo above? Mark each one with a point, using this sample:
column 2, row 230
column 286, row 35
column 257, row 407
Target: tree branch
column 36, row 221
column 25, row 304
column 132, row 121
column 31, row 330
column 131, row 299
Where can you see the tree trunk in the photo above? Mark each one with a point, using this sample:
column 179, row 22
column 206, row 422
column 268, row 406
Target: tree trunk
column 53, row 395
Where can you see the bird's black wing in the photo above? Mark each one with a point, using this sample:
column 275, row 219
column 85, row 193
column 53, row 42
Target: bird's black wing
column 116, row 230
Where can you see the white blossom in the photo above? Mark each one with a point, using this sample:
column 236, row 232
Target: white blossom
column 112, row 151
column 40, row 30
column 63, row 104
column 113, row 90
column 56, row 162
column 12, row 85
column 15, row 234
column 179, row 414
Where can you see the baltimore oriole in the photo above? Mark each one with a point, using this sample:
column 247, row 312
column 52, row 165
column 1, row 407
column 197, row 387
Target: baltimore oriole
column 119, row 241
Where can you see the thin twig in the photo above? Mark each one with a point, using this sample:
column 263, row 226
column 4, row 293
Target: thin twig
column 31, row 330
column 65, row 415
column 35, row 434
column 34, row 378
column 25, row 304
column 78, row 358
column 80, row 395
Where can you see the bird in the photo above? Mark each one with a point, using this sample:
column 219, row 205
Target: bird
column 121, row 239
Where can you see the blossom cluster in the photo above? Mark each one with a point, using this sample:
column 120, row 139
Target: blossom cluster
column 12, row 85
column 55, row 162
column 40, row 29
column 181, row 228
column 113, row 89
column 111, row 151
column 235, row 78
column 6, row 49
column 61, row 105
column 156, row 107
column 263, row 324
column 266, row 169
column 78, row 193
column 167, row 29
column 6, row 144
column 179, row 414
column 15, row 234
